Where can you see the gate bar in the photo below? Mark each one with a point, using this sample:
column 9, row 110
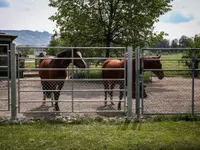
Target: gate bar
column 13, row 83
column 8, row 76
column 137, row 84
column 193, row 71
column 129, row 95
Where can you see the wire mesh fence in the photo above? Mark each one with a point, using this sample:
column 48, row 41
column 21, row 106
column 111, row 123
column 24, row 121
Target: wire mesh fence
column 177, row 92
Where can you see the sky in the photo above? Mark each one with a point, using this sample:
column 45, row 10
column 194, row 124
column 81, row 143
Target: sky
column 183, row 19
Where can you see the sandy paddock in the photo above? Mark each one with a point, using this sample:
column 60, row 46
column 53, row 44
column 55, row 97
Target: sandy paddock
column 170, row 95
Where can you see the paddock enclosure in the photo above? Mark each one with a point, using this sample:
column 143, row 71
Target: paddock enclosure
column 83, row 91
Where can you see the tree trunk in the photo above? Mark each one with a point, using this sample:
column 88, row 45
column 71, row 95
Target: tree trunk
column 107, row 45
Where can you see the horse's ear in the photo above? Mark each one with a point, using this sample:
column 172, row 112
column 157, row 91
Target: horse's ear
column 159, row 56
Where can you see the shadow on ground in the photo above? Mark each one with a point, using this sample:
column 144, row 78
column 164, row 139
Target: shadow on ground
column 101, row 111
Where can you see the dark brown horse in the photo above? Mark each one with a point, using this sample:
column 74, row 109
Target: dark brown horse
column 119, row 74
column 60, row 75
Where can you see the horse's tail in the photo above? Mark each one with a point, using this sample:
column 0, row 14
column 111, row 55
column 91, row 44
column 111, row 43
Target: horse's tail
column 104, row 66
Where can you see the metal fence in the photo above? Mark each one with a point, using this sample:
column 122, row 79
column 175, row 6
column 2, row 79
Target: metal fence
column 178, row 91
column 83, row 90
column 84, row 93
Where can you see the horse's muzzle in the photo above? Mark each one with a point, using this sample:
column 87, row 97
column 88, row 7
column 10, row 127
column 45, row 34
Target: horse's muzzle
column 84, row 66
column 161, row 77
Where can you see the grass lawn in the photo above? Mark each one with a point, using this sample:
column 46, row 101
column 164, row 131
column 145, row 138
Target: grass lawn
column 101, row 135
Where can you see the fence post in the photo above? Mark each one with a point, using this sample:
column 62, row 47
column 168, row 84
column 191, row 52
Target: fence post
column 13, row 82
column 129, row 94
column 193, row 76
column 137, row 83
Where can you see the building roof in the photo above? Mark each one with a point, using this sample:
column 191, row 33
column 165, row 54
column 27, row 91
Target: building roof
column 4, row 36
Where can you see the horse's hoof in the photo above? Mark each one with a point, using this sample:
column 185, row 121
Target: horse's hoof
column 119, row 108
column 56, row 109
column 57, row 113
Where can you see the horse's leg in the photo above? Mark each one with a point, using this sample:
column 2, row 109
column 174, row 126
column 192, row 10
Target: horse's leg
column 57, row 94
column 52, row 98
column 51, row 86
column 106, row 87
column 44, row 94
column 111, row 92
column 144, row 91
column 121, row 95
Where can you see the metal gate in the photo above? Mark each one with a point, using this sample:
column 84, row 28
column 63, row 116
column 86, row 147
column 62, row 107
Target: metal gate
column 4, row 78
column 83, row 91
column 177, row 92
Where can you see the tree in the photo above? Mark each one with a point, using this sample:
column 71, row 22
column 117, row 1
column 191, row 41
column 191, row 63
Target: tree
column 191, row 43
column 163, row 44
column 102, row 22
column 155, row 39
column 174, row 43
column 185, row 42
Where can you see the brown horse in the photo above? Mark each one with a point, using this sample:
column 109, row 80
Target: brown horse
column 119, row 74
column 60, row 75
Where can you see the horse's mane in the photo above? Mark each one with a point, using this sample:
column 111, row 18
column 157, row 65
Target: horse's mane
column 64, row 52
column 153, row 57
column 41, row 55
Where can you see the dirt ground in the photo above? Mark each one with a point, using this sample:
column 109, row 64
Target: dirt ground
column 170, row 95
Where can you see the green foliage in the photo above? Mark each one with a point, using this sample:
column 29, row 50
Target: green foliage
column 174, row 43
column 91, row 75
column 53, row 43
column 191, row 43
column 155, row 39
column 102, row 22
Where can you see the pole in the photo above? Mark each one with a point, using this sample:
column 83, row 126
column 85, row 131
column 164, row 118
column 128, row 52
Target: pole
column 137, row 83
column 129, row 95
column 13, row 83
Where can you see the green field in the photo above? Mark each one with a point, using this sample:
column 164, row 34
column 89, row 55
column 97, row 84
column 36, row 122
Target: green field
column 166, row 64
column 98, row 135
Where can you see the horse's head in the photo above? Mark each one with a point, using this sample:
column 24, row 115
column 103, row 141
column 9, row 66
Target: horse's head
column 78, row 60
column 154, row 64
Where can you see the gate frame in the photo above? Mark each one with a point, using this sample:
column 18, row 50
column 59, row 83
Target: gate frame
column 14, row 106
column 139, row 106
